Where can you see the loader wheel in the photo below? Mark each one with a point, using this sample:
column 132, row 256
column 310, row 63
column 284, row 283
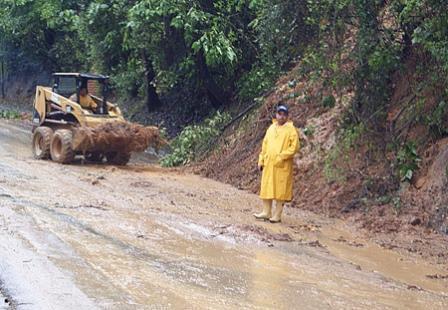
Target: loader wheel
column 117, row 158
column 61, row 147
column 41, row 142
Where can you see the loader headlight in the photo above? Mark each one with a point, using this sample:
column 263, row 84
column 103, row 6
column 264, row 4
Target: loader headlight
column 68, row 109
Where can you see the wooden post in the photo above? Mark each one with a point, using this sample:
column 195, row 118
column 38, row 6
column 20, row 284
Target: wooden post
column 152, row 98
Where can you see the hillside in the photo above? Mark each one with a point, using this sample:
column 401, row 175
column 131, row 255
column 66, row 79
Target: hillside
column 351, row 171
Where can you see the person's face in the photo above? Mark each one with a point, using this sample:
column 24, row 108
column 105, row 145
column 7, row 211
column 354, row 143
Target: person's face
column 83, row 91
column 282, row 117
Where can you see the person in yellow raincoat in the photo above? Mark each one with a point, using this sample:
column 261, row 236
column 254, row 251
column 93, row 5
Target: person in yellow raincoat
column 85, row 101
column 280, row 144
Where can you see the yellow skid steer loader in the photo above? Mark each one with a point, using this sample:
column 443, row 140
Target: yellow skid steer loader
column 63, row 128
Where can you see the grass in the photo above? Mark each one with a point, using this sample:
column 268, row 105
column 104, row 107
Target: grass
column 9, row 114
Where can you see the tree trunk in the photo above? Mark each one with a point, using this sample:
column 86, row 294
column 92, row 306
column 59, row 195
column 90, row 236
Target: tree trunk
column 152, row 98
column 215, row 93
column 408, row 30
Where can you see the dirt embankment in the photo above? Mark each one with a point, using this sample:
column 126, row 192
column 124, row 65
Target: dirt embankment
column 20, row 90
column 351, row 174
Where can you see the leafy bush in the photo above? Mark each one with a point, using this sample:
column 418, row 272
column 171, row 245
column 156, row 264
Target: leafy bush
column 282, row 30
column 194, row 140
column 9, row 114
column 407, row 161
column 426, row 22
column 258, row 80
column 329, row 102
column 437, row 120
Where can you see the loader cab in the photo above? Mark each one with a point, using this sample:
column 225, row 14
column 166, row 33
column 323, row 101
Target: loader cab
column 67, row 84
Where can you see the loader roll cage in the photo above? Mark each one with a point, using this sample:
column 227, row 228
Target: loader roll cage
column 67, row 84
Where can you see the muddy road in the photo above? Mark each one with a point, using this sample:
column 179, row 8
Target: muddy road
column 140, row 237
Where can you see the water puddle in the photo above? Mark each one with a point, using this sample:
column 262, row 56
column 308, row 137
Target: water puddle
column 372, row 257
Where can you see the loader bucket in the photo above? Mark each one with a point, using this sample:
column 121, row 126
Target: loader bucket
column 123, row 137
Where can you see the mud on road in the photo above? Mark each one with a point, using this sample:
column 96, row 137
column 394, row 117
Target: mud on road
column 141, row 237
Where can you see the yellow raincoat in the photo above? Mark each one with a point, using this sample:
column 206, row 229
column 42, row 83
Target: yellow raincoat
column 86, row 101
column 279, row 146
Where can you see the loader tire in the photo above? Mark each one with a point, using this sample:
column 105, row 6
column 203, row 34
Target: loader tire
column 117, row 158
column 61, row 147
column 41, row 142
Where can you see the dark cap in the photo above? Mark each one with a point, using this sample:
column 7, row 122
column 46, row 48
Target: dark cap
column 282, row 108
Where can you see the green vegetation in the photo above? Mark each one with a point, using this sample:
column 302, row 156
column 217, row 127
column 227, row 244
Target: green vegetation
column 204, row 55
column 397, row 204
column 219, row 48
column 329, row 101
column 194, row 140
column 407, row 161
column 213, row 50
column 9, row 114
column 437, row 121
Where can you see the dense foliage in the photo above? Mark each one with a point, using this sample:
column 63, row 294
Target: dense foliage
column 195, row 140
column 215, row 49
column 209, row 54
column 219, row 48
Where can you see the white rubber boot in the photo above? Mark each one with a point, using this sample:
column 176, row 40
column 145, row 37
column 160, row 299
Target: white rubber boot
column 267, row 210
column 277, row 218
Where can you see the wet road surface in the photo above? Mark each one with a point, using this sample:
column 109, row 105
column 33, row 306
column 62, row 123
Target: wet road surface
column 140, row 237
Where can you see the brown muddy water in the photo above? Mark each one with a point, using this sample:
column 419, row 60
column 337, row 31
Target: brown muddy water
column 141, row 237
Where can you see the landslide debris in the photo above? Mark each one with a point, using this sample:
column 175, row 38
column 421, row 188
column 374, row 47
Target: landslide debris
column 125, row 137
